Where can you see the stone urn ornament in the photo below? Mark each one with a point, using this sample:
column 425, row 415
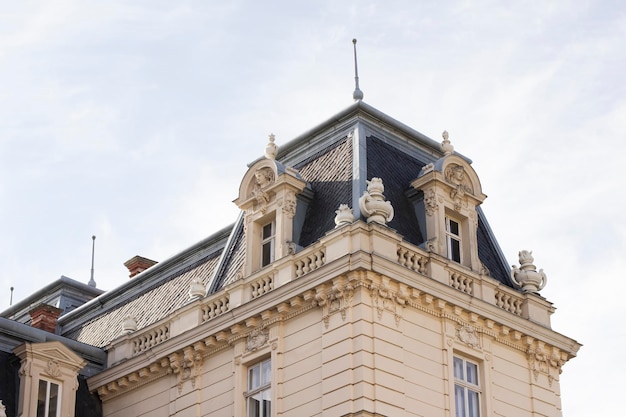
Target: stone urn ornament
column 129, row 324
column 344, row 215
column 373, row 205
column 446, row 145
column 271, row 149
column 526, row 276
column 197, row 289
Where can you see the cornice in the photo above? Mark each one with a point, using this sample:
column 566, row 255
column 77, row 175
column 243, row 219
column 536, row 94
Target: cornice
column 183, row 355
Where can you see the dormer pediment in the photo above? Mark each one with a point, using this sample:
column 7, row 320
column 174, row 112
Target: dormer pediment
column 453, row 174
column 263, row 180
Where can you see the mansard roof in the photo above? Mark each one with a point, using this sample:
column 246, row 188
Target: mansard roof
column 335, row 159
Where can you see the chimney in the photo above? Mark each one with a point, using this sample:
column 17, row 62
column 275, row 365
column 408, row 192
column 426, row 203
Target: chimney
column 138, row 264
column 45, row 317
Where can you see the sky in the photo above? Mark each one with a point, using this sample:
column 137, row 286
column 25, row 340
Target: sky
column 135, row 122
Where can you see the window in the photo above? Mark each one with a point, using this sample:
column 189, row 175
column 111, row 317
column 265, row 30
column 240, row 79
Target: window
column 466, row 388
column 267, row 244
column 453, row 239
column 258, row 396
column 48, row 399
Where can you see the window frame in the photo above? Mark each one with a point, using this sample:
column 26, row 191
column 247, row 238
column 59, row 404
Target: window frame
column 269, row 242
column 59, row 398
column 467, row 387
column 264, row 387
column 454, row 237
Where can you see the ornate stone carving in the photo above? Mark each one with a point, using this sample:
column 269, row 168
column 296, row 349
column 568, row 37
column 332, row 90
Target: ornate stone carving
column 468, row 335
column 292, row 248
column 446, row 146
column 427, row 168
column 431, row 244
column 373, row 205
column 430, row 202
column 526, row 276
column 542, row 362
column 256, row 339
column 197, row 289
column 24, row 367
column 455, row 175
column 271, row 149
column 2, row 410
column 129, row 324
column 344, row 215
column 186, row 366
column 289, row 206
column 484, row 271
column 52, row 368
column 384, row 298
column 262, row 179
column 337, row 299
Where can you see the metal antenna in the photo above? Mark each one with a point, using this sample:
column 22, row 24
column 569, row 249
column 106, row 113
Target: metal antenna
column 11, row 300
column 358, row 94
column 92, row 283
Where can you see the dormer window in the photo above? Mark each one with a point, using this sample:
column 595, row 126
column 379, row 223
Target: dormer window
column 453, row 239
column 268, row 233
column 269, row 196
column 452, row 192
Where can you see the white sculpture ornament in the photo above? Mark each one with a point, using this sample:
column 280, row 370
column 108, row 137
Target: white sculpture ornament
column 446, row 146
column 373, row 205
column 129, row 324
column 2, row 410
column 197, row 289
column 344, row 215
column 526, row 276
column 271, row 149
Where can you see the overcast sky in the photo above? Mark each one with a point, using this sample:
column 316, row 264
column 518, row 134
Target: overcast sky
column 134, row 122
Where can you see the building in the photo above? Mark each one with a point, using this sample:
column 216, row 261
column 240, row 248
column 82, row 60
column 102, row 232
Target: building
column 360, row 279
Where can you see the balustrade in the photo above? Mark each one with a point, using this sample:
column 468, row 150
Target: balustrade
column 151, row 338
column 261, row 286
column 310, row 262
column 509, row 302
column 462, row 283
column 214, row 308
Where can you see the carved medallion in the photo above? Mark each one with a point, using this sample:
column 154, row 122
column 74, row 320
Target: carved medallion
column 468, row 335
column 52, row 368
column 256, row 339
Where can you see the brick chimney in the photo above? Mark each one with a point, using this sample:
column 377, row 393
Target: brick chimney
column 45, row 317
column 138, row 264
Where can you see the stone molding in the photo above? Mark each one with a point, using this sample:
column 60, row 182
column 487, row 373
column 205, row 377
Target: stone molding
column 389, row 284
column 386, row 295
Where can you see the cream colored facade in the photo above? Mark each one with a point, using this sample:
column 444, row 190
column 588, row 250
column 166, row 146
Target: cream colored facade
column 362, row 334
column 359, row 324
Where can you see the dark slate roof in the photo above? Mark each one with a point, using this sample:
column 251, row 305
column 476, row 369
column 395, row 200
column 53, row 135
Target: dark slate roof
column 324, row 158
column 233, row 258
column 329, row 173
column 148, row 307
column 397, row 170
column 10, row 381
column 490, row 254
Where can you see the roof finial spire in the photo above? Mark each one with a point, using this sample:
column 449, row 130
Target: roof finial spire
column 92, row 283
column 358, row 94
